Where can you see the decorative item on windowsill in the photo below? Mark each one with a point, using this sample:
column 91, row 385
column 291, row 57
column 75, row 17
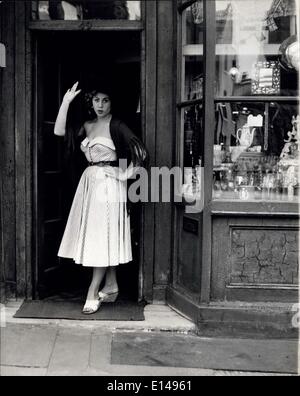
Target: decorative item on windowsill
column 289, row 160
column 134, row 10
column 290, row 54
column 106, row 9
column 43, row 10
column 58, row 10
column 266, row 78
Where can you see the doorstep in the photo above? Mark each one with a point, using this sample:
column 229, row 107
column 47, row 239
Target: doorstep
column 157, row 318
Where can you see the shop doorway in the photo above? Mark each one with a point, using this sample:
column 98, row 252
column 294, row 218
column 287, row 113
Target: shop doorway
column 62, row 58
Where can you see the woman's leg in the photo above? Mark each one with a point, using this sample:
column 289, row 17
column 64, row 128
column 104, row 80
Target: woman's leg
column 98, row 275
column 111, row 283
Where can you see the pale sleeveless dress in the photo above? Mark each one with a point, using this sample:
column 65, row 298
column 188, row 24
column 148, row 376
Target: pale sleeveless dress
column 97, row 233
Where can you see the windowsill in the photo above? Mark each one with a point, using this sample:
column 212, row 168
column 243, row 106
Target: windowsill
column 255, row 208
column 284, row 200
column 242, row 207
column 229, row 49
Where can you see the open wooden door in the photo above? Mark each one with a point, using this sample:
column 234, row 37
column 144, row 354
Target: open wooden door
column 50, row 200
column 191, row 275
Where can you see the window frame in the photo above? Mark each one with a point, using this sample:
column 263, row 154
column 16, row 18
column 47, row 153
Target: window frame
column 209, row 100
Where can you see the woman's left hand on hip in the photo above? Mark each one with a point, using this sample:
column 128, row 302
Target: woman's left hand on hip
column 116, row 173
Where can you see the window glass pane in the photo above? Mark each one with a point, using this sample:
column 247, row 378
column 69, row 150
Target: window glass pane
column 193, row 88
column 193, row 23
column 192, row 41
column 192, row 147
column 86, row 9
column 256, row 152
column 257, row 47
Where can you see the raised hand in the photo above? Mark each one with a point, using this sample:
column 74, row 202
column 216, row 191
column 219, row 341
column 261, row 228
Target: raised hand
column 71, row 93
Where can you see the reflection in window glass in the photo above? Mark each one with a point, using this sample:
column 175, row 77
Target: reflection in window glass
column 193, row 78
column 256, row 152
column 86, row 9
column 192, row 40
column 193, row 23
column 193, row 148
column 257, row 47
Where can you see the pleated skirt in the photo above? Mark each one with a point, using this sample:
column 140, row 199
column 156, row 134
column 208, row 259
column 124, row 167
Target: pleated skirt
column 97, row 233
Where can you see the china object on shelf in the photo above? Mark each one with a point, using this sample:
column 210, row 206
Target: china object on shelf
column 245, row 136
column 290, row 154
column 289, row 159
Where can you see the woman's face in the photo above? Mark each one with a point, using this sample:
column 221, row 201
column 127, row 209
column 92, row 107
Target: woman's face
column 101, row 105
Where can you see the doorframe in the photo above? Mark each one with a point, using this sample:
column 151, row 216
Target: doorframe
column 147, row 30
column 24, row 159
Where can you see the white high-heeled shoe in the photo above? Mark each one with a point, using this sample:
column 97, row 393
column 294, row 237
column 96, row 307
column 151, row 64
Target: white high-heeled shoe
column 91, row 307
column 108, row 297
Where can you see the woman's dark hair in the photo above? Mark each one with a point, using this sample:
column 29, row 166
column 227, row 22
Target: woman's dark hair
column 88, row 97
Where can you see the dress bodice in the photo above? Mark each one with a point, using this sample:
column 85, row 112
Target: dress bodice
column 99, row 149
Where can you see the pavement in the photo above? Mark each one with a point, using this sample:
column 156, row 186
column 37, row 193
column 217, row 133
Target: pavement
column 165, row 344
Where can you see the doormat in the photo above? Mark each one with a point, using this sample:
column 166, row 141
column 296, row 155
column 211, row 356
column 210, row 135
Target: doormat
column 189, row 351
column 71, row 310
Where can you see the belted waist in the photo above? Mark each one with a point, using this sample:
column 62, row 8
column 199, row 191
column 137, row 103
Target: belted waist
column 104, row 163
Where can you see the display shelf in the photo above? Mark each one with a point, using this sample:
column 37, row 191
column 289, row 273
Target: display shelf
column 255, row 195
column 254, row 208
column 230, row 49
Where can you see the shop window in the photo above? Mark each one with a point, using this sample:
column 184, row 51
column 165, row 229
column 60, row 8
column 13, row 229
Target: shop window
column 192, row 51
column 193, row 149
column 262, row 55
column 86, row 9
column 256, row 152
column 256, row 143
column 191, row 96
column 256, row 94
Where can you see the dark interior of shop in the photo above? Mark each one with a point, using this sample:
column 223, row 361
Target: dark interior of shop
column 111, row 60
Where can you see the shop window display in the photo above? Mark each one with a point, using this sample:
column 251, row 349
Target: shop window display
column 256, row 141
column 262, row 57
column 86, row 9
column 256, row 152
column 193, row 149
column 192, row 51
column 192, row 72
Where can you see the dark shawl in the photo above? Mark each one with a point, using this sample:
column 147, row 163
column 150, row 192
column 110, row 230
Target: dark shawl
column 128, row 146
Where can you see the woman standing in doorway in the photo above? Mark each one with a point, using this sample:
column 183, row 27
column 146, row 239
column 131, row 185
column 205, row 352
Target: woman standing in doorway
column 97, row 233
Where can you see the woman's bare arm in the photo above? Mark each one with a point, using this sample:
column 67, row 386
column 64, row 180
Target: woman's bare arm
column 61, row 120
